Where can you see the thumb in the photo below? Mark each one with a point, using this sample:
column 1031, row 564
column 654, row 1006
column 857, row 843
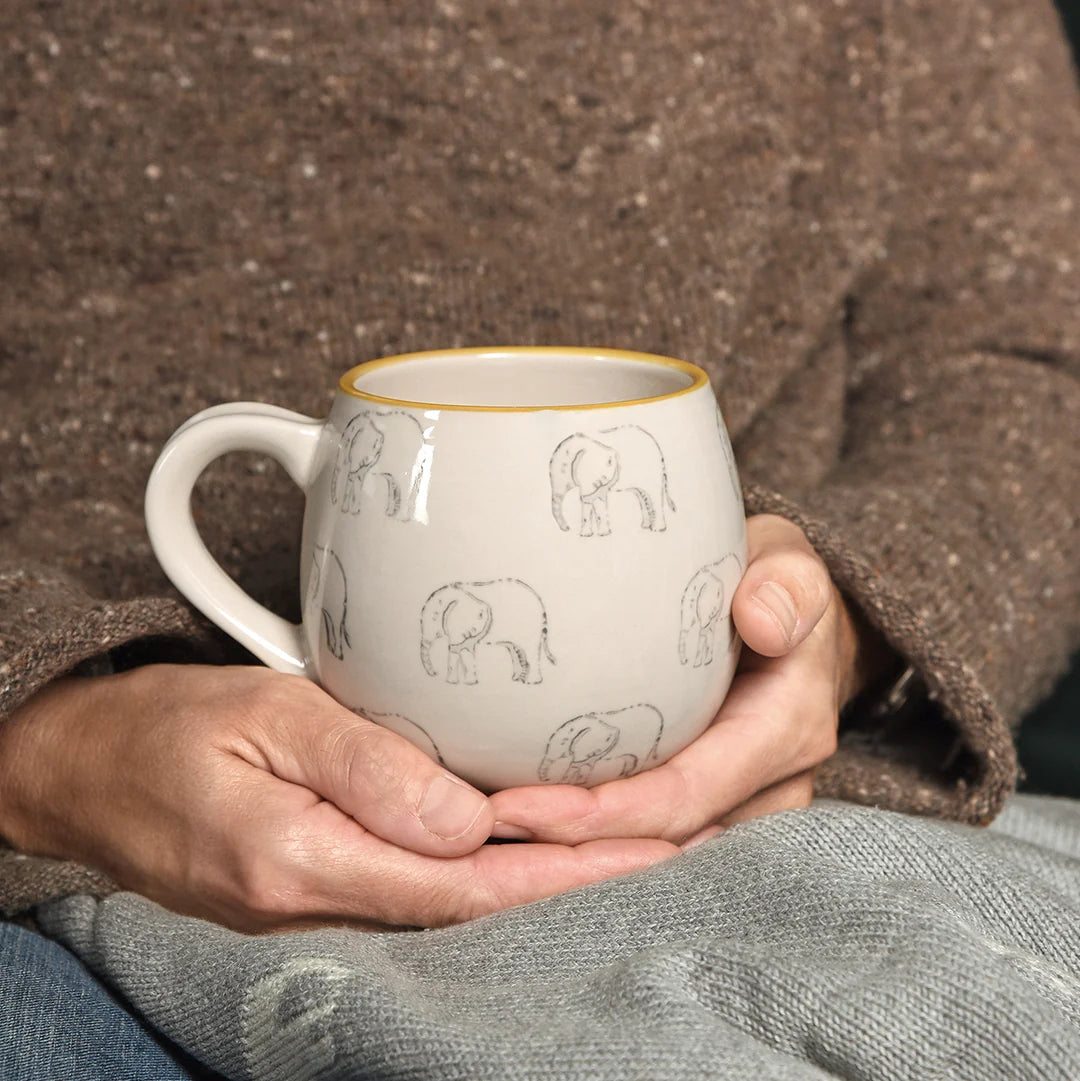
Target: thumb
column 380, row 779
column 785, row 591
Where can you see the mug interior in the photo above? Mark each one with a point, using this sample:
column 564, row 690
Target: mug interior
column 521, row 378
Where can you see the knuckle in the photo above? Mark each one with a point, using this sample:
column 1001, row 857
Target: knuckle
column 263, row 892
column 483, row 897
column 772, row 533
column 342, row 742
column 819, row 742
column 361, row 748
column 289, row 690
column 810, row 577
column 265, row 694
column 691, row 809
column 804, row 791
column 826, row 745
column 775, row 524
column 442, row 900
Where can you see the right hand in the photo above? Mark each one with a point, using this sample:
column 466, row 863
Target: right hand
column 254, row 799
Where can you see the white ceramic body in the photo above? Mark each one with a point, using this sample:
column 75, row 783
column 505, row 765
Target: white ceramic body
column 538, row 592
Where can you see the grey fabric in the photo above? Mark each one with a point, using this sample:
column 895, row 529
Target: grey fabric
column 834, row 942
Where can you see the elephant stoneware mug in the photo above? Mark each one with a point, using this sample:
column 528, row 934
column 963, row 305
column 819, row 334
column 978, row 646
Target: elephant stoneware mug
column 520, row 559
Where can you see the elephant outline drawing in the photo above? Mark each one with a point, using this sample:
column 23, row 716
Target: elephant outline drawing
column 705, row 605
column 628, row 737
column 504, row 612
column 387, row 445
column 416, row 734
column 729, row 453
column 329, row 586
column 626, row 459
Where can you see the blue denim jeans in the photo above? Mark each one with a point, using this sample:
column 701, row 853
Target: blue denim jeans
column 58, row 1023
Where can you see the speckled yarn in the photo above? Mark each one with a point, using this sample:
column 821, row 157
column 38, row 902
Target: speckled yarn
column 859, row 215
column 837, row 942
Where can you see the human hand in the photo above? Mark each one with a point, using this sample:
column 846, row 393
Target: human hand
column 777, row 724
column 254, row 799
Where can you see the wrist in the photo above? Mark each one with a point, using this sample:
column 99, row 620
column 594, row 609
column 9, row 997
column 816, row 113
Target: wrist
column 866, row 657
column 31, row 745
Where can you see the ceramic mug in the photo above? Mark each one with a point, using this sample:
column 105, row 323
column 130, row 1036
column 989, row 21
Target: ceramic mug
column 520, row 559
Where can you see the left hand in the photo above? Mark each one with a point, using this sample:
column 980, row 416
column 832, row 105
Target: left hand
column 776, row 726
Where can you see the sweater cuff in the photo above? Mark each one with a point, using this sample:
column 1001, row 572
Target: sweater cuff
column 29, row 881
column 954, row 756
column 50, row 628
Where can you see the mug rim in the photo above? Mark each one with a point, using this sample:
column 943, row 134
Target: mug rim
column 698, row 377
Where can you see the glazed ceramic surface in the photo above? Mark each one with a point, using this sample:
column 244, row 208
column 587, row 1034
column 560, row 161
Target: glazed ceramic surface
column 522, row 560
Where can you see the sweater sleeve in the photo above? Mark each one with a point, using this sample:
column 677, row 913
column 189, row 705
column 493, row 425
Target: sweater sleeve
column 56, row 617
column 951, row 516
column 50, row 625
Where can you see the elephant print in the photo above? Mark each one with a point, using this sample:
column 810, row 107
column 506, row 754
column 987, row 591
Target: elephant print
column 387, row 447
column 706, row 604
column 597, row 747
column 329, row 587
column 625, row 459
column 728, row 452
column 504, row 612
column 410, row 730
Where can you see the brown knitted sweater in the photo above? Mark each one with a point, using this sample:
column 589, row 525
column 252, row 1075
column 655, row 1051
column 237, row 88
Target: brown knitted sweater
column 859, row 215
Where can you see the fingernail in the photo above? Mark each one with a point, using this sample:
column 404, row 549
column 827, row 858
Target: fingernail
column 507, row 832
column 449, row 809
column 776, row 600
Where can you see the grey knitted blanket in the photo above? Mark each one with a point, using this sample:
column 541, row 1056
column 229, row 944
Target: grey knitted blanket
column 835, row 942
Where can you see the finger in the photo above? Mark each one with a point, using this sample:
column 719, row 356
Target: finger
column 785, row 590
column 699, row 838
column 336, row 870
column 793, row 794
column 379, row 778
column 775, row 723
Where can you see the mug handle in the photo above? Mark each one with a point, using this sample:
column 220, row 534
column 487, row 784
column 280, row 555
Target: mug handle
column 290, row 438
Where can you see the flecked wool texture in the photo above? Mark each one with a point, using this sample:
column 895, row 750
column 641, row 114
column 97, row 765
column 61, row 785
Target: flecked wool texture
column 837, row 942
column 860, row 217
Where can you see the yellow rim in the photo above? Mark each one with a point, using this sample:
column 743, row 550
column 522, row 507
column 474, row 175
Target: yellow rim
column 698, row 378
